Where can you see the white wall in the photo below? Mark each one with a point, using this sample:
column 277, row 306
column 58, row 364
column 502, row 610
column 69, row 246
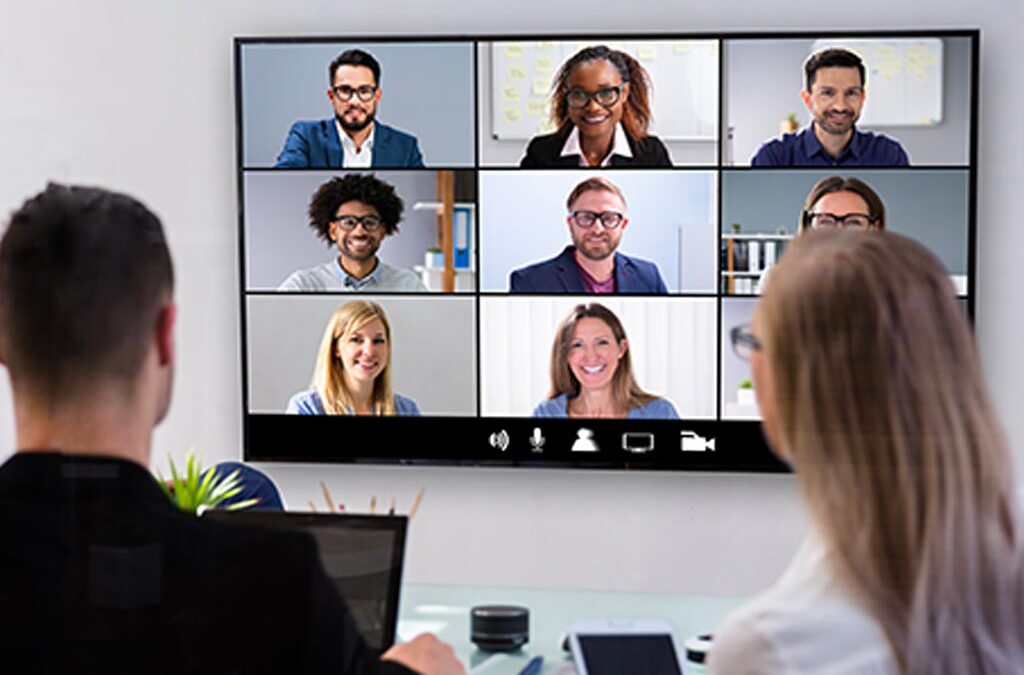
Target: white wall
column 138, row 95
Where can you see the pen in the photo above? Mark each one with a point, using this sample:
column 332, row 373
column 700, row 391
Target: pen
column 533, row 666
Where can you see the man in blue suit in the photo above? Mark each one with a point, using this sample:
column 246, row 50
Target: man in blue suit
column 597, row 219
column 352, row 139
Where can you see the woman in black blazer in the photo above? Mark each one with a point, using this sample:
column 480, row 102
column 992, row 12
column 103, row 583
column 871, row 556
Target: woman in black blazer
column 601, row 104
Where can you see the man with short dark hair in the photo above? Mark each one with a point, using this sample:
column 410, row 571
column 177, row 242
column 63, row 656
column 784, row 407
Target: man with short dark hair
column 596, row 219
column 99, row 571
column 834, row 93
column 355, row 213
column 352, row 138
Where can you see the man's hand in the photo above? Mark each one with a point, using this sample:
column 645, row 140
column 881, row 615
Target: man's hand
column 426, row 654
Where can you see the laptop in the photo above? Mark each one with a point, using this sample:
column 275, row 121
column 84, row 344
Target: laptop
column 362, row 555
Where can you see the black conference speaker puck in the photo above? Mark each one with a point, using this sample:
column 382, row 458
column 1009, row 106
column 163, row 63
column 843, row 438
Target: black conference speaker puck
column 499, row 628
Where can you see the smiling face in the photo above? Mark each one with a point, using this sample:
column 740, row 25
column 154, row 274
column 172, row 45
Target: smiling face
column 364, row 353
column 597, row 242
column 594, row 120
column 835, row 99
column 358, row 244
column 594, row 353
column 353, row 114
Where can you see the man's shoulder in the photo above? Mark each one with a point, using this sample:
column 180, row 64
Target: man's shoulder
column 393, row 134
column 306, row 127
column 319, row 278
column 399, row 279
column 882, row 148
column 540, row 272
column 778, row 150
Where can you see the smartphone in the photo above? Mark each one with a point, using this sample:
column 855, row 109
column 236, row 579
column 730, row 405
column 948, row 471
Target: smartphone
column 616, row 646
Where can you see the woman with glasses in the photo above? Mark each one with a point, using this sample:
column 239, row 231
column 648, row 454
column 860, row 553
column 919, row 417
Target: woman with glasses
column 837, row 202
column 601, row 106
column 870, row 387
column 352, row 375
column 354, row 213
column 592, row 374
column 842, row 202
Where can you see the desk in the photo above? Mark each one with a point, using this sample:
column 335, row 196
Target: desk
column 444, row 610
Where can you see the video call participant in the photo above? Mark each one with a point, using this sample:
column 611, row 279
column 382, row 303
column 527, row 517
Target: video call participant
column 103, row 571
column 352, row 139
column 601, row 106
column 835, row 201
column 592, row 374
column 355, row 213
column 597, row 219
column 834, row 93
column 870, row 387
column 353, row 367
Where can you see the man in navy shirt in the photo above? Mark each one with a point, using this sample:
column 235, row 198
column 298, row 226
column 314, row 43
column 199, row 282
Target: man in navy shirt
column 834, row 93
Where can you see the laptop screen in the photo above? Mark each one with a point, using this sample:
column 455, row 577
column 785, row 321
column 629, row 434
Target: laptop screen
column 362, row 555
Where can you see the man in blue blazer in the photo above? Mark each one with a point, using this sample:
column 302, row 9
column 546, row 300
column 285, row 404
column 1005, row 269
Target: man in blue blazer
column 352, row 139
column 597, row 219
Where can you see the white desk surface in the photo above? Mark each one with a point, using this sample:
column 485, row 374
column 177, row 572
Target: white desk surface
column 444, row 610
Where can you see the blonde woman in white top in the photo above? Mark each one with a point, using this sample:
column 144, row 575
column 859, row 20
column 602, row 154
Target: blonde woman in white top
column 870, row 387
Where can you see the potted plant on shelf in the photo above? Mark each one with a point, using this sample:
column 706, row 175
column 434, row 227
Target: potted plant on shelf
column 789, row 125
column 434, row 258
column 745, row 393
column 196, row 490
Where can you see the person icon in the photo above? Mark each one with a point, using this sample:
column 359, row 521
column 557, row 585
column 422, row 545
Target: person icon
column 584, row 441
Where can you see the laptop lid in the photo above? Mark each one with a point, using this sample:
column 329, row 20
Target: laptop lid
column 362, row 554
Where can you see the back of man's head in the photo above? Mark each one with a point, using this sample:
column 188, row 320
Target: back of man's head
column 83, row 275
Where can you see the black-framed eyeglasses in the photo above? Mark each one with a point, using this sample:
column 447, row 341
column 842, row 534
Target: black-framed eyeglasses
column 827, row 220
column 370, row 223
column 605, row 97
column 363, row 93
column 609, row 219
column 744, row 342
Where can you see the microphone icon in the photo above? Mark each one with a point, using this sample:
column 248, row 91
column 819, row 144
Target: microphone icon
column 537, row 440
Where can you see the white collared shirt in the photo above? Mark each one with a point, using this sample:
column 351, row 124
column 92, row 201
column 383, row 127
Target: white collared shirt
column 806, row 623
column 620, row 146
column 350, row 158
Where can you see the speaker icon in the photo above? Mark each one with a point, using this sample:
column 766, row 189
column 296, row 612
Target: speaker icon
column 499, row 440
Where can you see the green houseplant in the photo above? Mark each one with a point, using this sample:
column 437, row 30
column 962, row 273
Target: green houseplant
column 195, row 489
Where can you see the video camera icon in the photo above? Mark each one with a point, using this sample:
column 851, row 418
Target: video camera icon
column 693, row 442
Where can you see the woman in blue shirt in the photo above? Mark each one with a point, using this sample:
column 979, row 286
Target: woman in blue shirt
column 591, row 372
column 353, row 368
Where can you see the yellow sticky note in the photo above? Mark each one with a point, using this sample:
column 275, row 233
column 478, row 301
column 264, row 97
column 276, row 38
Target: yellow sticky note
column 543, row 65
column 513, row 115
column 513, row 51
column 545, row 46
column 682, row 47
column 535, row 107
column 516, row 73
column 510, row 93
column 540, row 86
column 647, row 52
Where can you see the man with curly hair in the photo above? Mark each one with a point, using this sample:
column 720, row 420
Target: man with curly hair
column 355, row 213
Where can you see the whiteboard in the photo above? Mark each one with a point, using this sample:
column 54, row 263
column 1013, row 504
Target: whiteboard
column 904, row 79
column 684, row 99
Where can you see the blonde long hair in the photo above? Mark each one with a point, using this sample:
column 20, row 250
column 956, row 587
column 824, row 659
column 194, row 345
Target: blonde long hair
column 329, row 373
column 883, row 412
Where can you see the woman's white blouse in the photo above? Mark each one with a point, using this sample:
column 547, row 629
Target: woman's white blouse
column 806, row 623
